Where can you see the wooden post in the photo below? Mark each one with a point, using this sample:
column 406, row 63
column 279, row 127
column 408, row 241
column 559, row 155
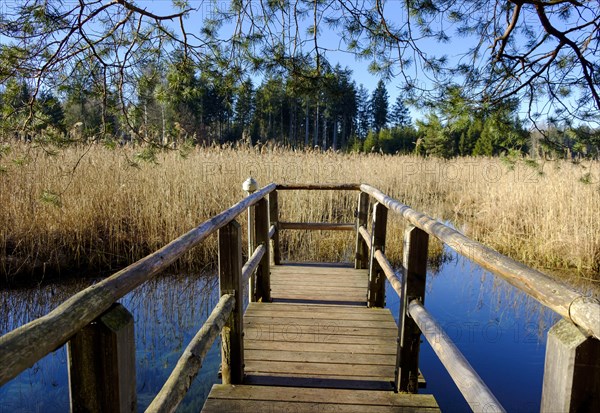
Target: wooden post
column 571, row 371
column 376, row 293
column 274, row 221
column 230, row 282
column 102, row 364
column 250, row 186
column 263, row 274
column 409, row 335
column 362, row 252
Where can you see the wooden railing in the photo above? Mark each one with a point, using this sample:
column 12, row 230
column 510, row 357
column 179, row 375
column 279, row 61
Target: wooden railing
column 572, row 365
column 99, row 332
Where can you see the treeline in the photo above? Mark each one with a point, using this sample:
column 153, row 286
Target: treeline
column 167, row 105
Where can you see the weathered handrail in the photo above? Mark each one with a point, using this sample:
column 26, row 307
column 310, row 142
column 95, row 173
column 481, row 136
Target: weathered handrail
column 250, row 265
column 190, row 362
column 365, row 235
column 389, row 272
column 22, row 347
column 319, row 187
column 318, row 226
column 472, row 387
column 582, row 311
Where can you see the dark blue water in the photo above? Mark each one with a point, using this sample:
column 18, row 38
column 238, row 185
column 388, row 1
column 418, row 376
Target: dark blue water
column 167, row 311
column 499, row 330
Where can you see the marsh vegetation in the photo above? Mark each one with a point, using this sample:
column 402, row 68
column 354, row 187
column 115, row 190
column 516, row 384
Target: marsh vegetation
column 92, row 209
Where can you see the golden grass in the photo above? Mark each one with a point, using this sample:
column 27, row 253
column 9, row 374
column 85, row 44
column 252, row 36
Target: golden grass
column 110, row 212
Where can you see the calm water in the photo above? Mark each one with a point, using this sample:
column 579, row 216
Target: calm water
column 499, row 330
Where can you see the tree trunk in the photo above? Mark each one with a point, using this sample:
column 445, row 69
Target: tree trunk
column 335, row 135
column 316, row 137
column 306, row 137
column 324, row 133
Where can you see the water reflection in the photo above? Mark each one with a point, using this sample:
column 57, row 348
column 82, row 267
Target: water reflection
column 500, row 331
column 168, row 311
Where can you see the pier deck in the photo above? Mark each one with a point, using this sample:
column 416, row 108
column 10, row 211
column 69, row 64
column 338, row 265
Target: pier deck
column 317, row 348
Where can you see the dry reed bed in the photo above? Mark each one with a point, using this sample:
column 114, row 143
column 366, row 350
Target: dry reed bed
column 110, row 212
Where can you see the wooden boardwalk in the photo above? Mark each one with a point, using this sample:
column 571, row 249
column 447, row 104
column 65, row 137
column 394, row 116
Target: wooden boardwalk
column 317, row 348
column 311, row 343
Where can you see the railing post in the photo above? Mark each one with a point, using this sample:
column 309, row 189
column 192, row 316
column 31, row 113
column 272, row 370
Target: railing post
column 571, row 371
column 230, row 282
column 263, row 272
column 274, row 221
column 409, row 336
column 376, row 293
column 102, row 364
column 362, row 252
column 250, row 186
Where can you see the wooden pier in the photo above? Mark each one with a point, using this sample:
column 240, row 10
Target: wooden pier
column 317, row 348
column 314, row 337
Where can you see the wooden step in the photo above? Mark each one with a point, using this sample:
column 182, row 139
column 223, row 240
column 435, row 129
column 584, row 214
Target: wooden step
column 248, row 398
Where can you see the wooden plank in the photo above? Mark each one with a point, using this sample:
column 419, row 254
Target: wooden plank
column 357, row 301
column 319, row 357
column 321, row 315
column 102, row 364
column 320, row 332
column 298, row 275
column 317, row 226
column 320, row 273
column 22, row 347
column 305, row 321
column 317, row 269
column 566, row 301
column 324, row 296
column 266, row 334
column 304, row 288
column 310, row 307
column 366, row 348
column 357, row 297
column 320, row 369
column 318, row 266
column 318, row 307
column 307, row 395
column 228, row 406
column 329, row 283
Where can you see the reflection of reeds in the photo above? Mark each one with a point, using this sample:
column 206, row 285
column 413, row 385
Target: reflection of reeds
column 167, row 311
column 112, row 211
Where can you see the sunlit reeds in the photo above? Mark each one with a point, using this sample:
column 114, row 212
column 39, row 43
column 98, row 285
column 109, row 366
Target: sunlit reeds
column 96, row 208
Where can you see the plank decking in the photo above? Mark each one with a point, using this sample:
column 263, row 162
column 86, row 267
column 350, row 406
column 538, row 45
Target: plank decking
column 317, row 347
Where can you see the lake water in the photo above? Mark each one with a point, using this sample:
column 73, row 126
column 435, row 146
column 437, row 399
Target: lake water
column 501, row 332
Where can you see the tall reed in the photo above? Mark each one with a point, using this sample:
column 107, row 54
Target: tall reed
column 95, row 208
